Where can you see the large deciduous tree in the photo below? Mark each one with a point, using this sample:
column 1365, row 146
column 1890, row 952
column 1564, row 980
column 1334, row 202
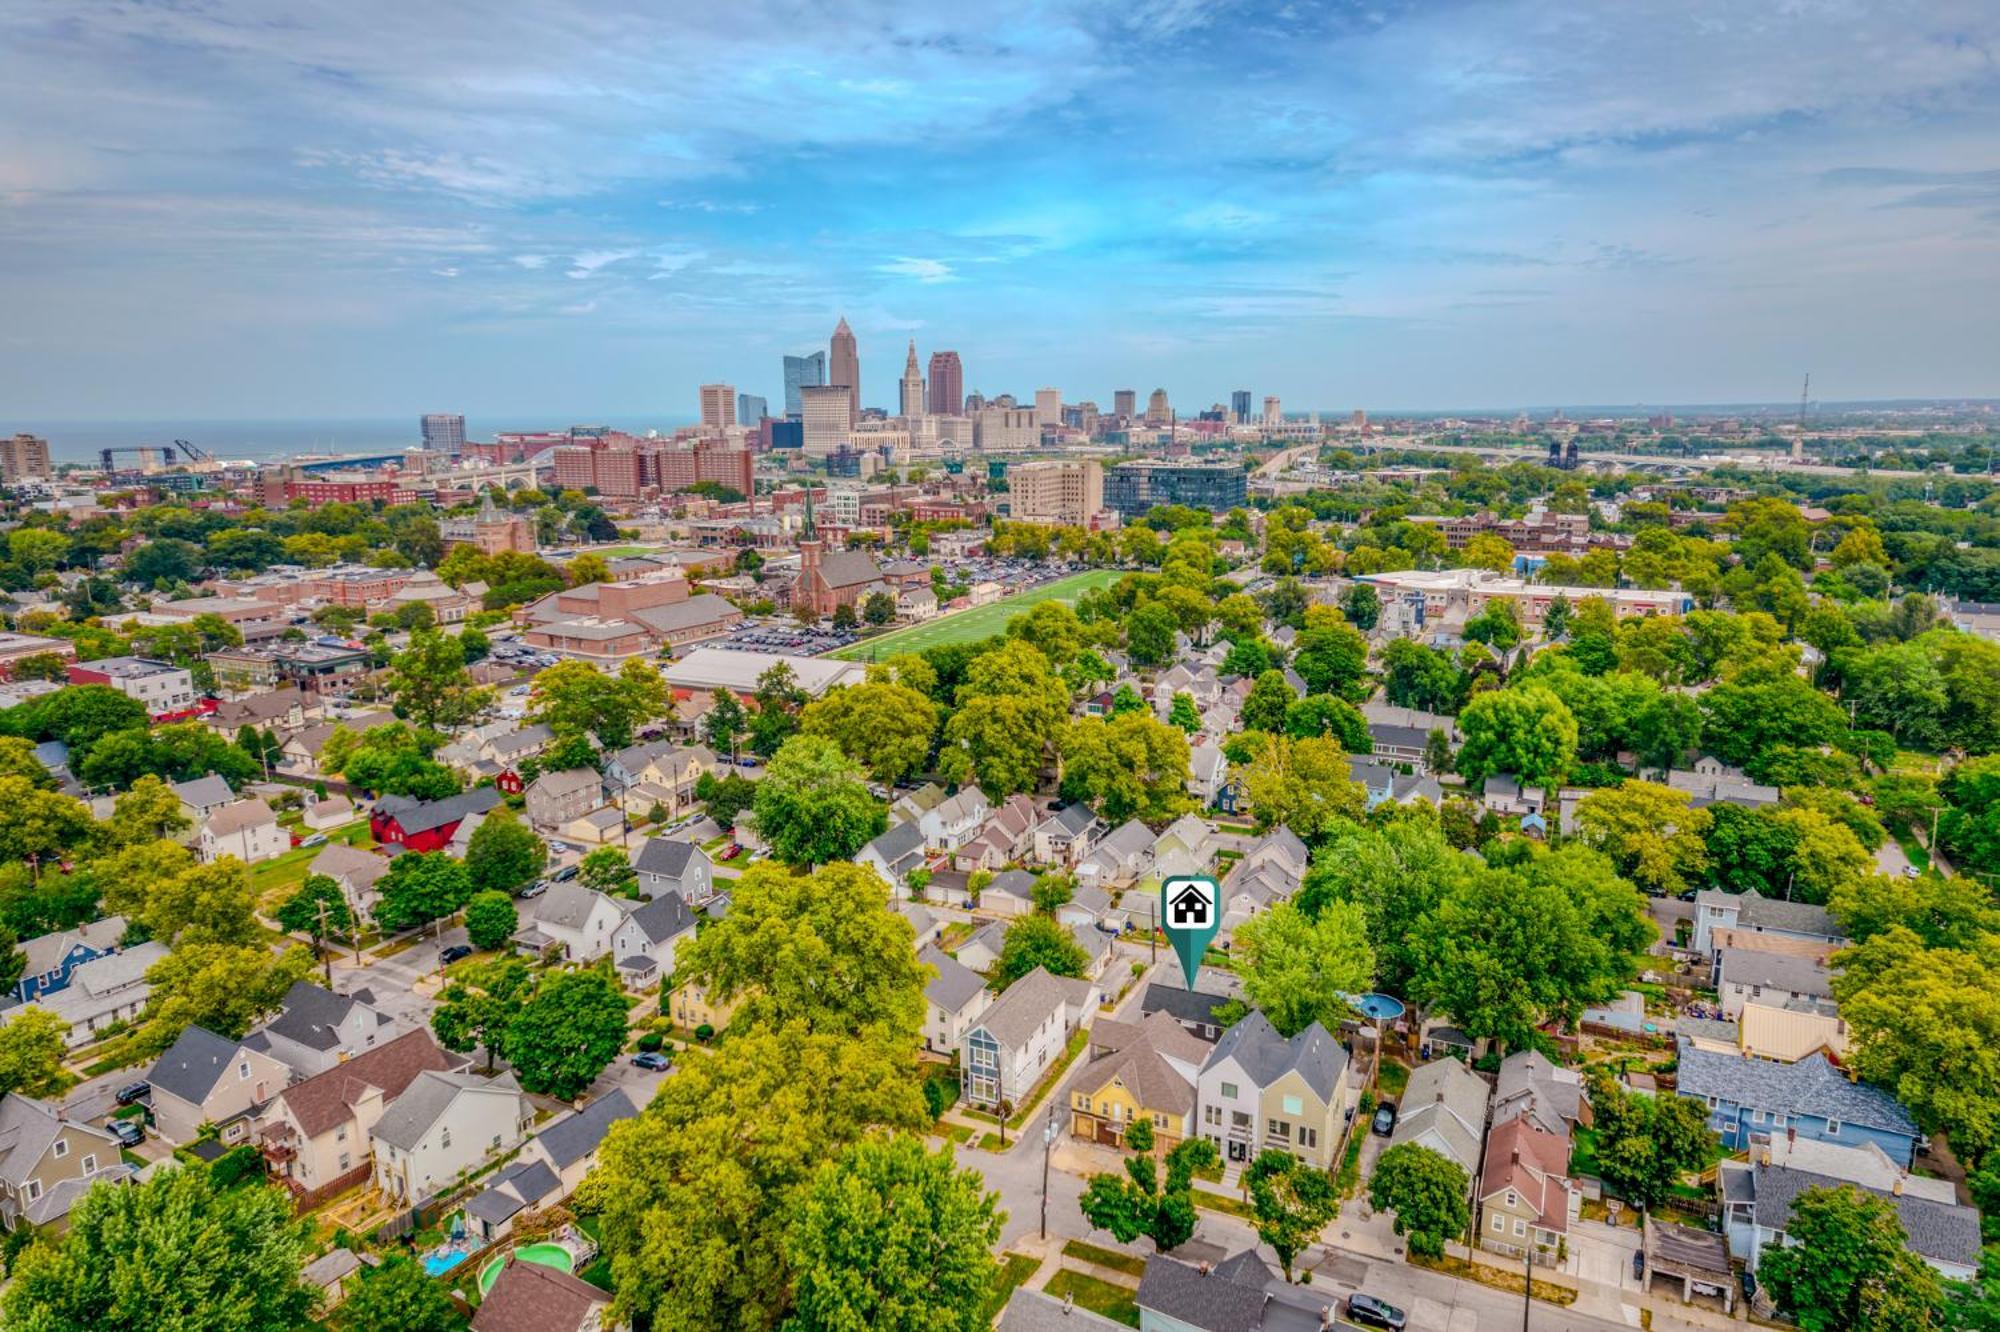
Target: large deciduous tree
column 1427, row 1192
column 1526, row 732
column 1848, row 1267
column 503, row 853
column 570, row 1028
column 1303, row 784
column 1040, row 941
column 1651, row 832
column 1011, row 710
column 1129, row 766
column 419, row 888
column 1293, row 1203
column 1298, row 969
column 813, row 805
column 885, row 727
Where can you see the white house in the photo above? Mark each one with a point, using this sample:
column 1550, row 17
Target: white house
column 581, row 921
column 1022, row 1035
column 676, row 867
column 445, row 1123
column 644, row 944
column 954, row 999
column 247, row 830
column 1118, row 857
column 319, row 1029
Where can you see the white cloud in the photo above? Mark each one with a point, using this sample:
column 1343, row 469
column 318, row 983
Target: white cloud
column 532, row 261
column 923, row 270
column 587, row 262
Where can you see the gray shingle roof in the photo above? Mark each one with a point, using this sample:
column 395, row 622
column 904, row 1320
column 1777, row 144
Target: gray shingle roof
column 955, row 984
column 566, row 905
column 415, row 816
column 1813, row 1086
column 1028, row 1003
column 1778, row 971
column 1755, row 911
column 203, row 792
column 1184, row 1005
column 668, row 859
column 311, row 1016
column 1265, row 1056
column 664, row 917
column 1034, row 1311
column 1446, row 1098
column 430, row 1095
column 1217, row 1300
column 898, row 844
column 576, row 1136
column 193, row 1064
column 44, row 951
column 1943, row 1231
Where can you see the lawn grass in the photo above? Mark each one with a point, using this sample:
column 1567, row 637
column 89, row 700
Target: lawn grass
column 969, row 626
column 1111, row 1258
column 1913, row 850
column 1222, row 1202
column 1495, row 1277
column 1014, row 1269
column 1390, row 1079
column 1582, row 1151
column 1101, row 1297
column 270, row 879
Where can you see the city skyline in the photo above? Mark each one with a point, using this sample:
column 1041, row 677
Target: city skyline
column 374, row 211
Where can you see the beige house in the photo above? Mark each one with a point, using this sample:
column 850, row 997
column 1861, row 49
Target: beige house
column 204, row 1079
column 662, row 775
column 247, row 830
column 558, row 798
column 444, row 1126
column 315, row 1134
column 1778, row 1030
column 1258, row 1090
column 47, row 1162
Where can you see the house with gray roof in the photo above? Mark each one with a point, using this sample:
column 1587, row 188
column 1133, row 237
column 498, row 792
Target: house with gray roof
column 1195, row 1010
column 1530, row 1084
column 519, row 1187
column 1744, row 975
column 1067, row 835
column 953, row 999
column 982, row 950
column 1756, row 1099
column 1259, row 1090
column 555, row 799
column 202, row 797
column 1011, row 893
column 48, row 959
column 1238, row 1294
column 1754, row 913
column 356, row 871
column 108, row 989
column 1097, row 949
column 1023, row 1035
column 203, row 1078
column 1118, row 857
column 670, row 865
column 568, row 1146
column 1444, row 1109
column 894, row 854
column 580, row 921
column 443, row 1124
column 644, row 944
column 48, row 1161
column 318, row 1029
column 925, row 927
column 1384, row 784
column 1758, row 1198
column 1034, row 1311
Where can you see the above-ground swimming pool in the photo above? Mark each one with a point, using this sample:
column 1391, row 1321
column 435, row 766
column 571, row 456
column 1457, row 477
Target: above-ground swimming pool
column 548, row 1255
column 1377, row 1007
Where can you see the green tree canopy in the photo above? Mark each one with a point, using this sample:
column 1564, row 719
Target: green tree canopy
column 1039, row 941
column 1298, row 969
column 813, row 805
column 490, row 918
column 1427, row 1192
column 885, row 727
column 503, row 853
column 570, row 1028
column 1849, row 1267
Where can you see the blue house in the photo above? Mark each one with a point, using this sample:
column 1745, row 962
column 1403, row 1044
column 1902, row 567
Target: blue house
column 52, row 957
column 1751, row 1099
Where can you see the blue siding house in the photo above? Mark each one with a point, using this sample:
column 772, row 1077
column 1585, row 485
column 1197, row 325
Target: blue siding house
column 52, row 957
column 1758, row 1098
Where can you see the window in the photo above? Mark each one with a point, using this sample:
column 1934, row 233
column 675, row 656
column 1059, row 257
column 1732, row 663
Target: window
column 340, row 1134
column 1281, row 1130
column 34, row 1189
column 242, row 1070
column 62, row 1148
column 1294, row 1106
column 1159, row 1120
column 1832, row 1128
column 1228, row 1091
column 89, row 1165
column 1520, row 1226
column 345, row 1159
column 1499, row 1224
column 1308, row 1137
column 445, row 1140
column 1513, row 1198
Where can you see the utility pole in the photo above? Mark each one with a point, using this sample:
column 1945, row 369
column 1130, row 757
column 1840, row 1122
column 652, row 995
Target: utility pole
column 1527, row 1287
column 325, row 953
column 1048, row 1146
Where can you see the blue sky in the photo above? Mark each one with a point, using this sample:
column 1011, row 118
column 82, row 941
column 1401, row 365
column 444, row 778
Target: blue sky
column 234, row 209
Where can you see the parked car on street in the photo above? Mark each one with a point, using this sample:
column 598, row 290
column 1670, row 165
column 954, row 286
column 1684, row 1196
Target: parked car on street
column 1371, row 1312
column 137, row 1091
column 651, row 1059
column 454, row 953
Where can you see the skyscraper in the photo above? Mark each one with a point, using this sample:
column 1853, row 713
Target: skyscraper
column 947, row 384
column 718, row 404
column 443, row 432
column 827, row 422
column 1239, row 406
column 843, row 369
column 913, row 385
column 24, row 458
column 802, row 372
column 1048, row 406
column 1157, row 410
column 1125, row 403
column 751, row 408
column 1274, row 416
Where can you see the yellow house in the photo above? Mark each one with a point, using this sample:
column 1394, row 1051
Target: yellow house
column 1137, row 1070
column 690, row 1007
column 1786, row 1032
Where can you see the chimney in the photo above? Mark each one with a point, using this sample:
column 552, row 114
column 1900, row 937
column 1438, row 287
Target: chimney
column 1203, row 1269
column 1896, row 1189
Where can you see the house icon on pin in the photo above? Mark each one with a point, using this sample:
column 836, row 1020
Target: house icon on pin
column 1188, row 909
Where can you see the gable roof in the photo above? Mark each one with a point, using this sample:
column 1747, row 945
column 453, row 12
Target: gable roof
column 1229, row 1297
column 898, row 844
column 312, row 1015
column 569, row 781
column 566, row 906
column 665, row 857
column 1265, row 1056
column 203, row 792
column 193, row 1064
column 1944, row 1231
column 1756, row 911
column 848, row 568
column 662, row 918
column 326, row 1099
column 1778, row 971
column 1184, row 1004
column 1533, row 1163
column 1028, row 1003
column 45, row 952
column 416, row 816
column 1447, row 1099
column 251, row 813
column 27, row 1127
column 1528, row 1083
column 1034, row 1311
column 955, row 984
column 1813, row 1086
column 576, row 1136
column 426, row 1100
column 338, row 860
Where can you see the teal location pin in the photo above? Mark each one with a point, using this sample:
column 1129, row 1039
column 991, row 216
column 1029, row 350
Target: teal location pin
column 1191, row 913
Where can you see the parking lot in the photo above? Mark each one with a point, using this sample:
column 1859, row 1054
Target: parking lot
column 784, row 637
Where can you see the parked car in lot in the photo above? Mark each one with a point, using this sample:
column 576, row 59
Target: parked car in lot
column 563, row 875
column 536, row 889
column 454, row 953
column 129, row 1132
column 1385, row 1119
column 652, row 1059
column 1371, row 1312
column 137, row 1091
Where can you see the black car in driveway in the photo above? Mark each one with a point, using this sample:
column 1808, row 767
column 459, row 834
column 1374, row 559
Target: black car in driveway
column 129, row 1132
column 137, row 1091
column 1385, row 1118
column 1367, row 1311
column 651, row 1059
column 453, row 954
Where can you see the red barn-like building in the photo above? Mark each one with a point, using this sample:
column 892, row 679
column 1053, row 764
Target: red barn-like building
column 427, row 825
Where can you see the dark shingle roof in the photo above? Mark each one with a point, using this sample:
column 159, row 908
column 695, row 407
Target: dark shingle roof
column 193, row 1064
column 1944, row 1231
column 529, row 1297
column 415, row 816
column 955, row 983
column 663, row 917
column 1266, row 1056
column 1185, row 1005
column 667, row 859
column 1034, row 1311
column 1813, row 1086
column 576, row 1136
column 1209, row 1300
column 311, row 1016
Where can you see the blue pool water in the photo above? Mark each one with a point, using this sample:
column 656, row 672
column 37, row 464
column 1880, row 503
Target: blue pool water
column 1377, row 1007
column 436, row 1263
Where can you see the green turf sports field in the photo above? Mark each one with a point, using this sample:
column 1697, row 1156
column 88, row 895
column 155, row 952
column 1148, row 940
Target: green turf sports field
column 969, row 626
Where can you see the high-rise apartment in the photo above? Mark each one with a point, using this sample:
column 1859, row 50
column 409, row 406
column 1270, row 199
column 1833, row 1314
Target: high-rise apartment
column 1158, row 412
column 1273, row 416
column 802, row 372
column 1125, row 403
column 1056, row 491
column 751, row 408
column 1005, row 429
column 947, row 388
column 443, row 432
column 718, row 405
column 843, row 369
column 828, row 419
column 913, row 385
column 1239, row 406
column 1133, row 488
column 24, row 458
column 1048, row 406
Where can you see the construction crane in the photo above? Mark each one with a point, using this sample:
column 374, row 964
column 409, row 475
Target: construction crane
column 108, row 458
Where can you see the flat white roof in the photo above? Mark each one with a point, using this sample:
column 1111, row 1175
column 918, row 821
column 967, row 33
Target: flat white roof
column 722, row 668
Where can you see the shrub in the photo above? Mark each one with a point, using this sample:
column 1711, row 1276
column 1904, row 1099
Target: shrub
column 704, row 1033
column 650, row 1042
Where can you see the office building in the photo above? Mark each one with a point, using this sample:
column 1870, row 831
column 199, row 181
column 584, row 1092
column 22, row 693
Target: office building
column 1273, row 417
column 913, row 385
column 802, row 372
column 786, row 434
column 443, row 433
column 947, row 386
column 1125, row 403
column 1239, row 406
column 1048, row 406
column 1133, row 488
column 843, row 370
column 1005, row 429
column 24, row 458
column 1158, row 412
column 828, row 418
column 1057, row 491
column 750, row 409
column 718, row 405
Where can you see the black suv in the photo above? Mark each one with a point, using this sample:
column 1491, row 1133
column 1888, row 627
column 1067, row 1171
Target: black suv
column 1371, row 1312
